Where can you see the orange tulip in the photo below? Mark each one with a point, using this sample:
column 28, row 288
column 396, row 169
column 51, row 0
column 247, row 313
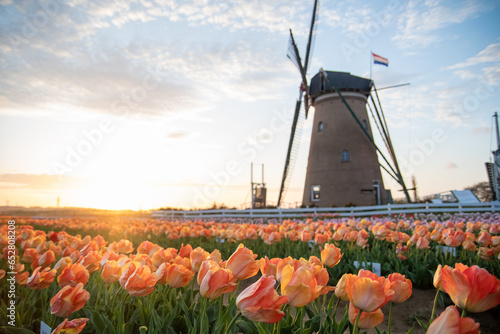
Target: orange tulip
column 111, row 272
column 438, row 278
column 484, row 239
column 450, row 322
column 322, row 279
column 469, row 246
column 205, row 267
column 471, row 288
column 147, row 247
column 123, row 246
column 91, row 246
column 74, row 326
column 141, row 283
column 367, row 291
column 380, row 231
column 436, row 235
column 269, row 267
column 299, row 285
column 215, row 256
column 305, row 236
column 452, row 241
column 68, row 300
column 331, row 255
column 127, row 269
column 260, row 302
column 320, row 239
column 185, row 251
column 2, row 273
column 242, row 263
column 486, row 253
column 72, row 275
column 164, row 255
column 401, row 286
column 198, row 255
column 185, row 261
column 398, row 237
column 214, row 280
column 30, row 255
column 41, row 279
column 63, row 263
column 22, row 278
column 401, row 256
column 46, row 259
column 422, row 243
column 340, row 291
column 314, row 260
column 179, row 276
column 91, row 262
column 162, row 272
column 495, row 241
column 367, row 319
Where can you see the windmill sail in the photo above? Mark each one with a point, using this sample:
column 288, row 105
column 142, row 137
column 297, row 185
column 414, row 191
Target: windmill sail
column 293, row 55
column 292, row 52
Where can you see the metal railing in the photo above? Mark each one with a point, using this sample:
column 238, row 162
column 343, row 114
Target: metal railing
column 359, row 211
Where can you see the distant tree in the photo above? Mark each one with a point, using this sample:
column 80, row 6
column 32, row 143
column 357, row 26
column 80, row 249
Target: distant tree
column 482, row 190
column 216, row 206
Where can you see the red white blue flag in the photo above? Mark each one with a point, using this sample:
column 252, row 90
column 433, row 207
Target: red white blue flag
column 380, row 60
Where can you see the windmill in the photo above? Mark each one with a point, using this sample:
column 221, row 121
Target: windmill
column 293, row 54
column 343, row 165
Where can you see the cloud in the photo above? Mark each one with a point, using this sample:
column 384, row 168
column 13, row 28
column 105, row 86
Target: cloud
column 259, row 15
column 39, row 181
column 451, row 165
column 177, row 135
column 490, row 54
column 418, row 24
column 73, row 62
column 481, row 130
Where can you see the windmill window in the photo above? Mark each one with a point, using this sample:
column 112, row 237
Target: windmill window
column 320, row 126
column 365, row 124
column 345, row 156
column 315, row 193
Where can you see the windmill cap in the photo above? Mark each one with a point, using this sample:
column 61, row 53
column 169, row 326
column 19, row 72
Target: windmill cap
column 344, row 81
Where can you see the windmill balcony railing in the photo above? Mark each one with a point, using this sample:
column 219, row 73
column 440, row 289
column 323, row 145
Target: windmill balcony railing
column 359, row 211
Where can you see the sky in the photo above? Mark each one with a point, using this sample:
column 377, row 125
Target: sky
column 141, row 104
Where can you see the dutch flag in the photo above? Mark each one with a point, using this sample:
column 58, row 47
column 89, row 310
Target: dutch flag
column 380, row 60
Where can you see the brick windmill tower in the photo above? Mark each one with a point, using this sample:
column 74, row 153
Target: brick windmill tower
column 343, row 166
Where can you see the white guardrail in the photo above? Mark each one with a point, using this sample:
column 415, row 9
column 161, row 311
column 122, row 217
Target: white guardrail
column 358, row 211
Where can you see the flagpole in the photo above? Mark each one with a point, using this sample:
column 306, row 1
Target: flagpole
column 371, row 53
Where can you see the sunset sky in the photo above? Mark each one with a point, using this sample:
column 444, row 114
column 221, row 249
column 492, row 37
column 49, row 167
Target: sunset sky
column 127, row 104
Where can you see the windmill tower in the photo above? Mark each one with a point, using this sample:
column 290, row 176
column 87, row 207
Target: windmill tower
column 343, row 165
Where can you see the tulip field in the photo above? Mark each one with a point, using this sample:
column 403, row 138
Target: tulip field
column 311, row 275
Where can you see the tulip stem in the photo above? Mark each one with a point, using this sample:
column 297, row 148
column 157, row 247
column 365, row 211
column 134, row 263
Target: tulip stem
column 390, row 318
column 464, row 313
column 191, row 292
column 434, row 307
column 335, row 310
column 228, row 329
column 355, row 330
column 233, row 296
